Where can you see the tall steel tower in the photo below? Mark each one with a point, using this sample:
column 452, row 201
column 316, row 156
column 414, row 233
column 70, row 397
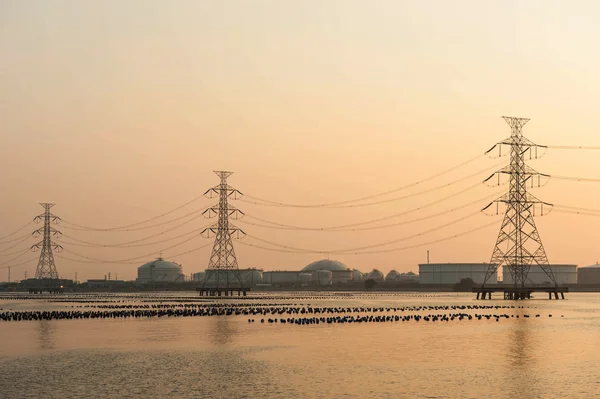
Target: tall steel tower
column 519, row 244
column 46, row 269
column 223, row 272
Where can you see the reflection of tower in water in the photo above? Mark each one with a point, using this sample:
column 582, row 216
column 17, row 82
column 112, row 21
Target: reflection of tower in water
column 521, row 377
column 45, row 339
column 222, row 331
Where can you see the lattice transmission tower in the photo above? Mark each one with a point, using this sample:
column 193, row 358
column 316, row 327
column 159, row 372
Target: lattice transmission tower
column 519, row 244
column 223, row 271
column 46, row 268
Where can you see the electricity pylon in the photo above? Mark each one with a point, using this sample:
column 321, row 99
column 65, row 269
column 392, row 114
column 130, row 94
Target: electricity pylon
column 223, row 271
column 519, row 244
column 46, row 269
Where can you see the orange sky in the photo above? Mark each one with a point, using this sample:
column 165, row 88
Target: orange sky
column 119, row 111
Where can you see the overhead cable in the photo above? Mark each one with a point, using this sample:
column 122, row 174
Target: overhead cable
column 381, row 219
column 344, row 228
column 14, row 232
column 128, row 259
column 128, row 227
column 447, row 238
column 573, row 147
column 266, row 202
column 342, row 251
column 132, row 262
column 19, row 264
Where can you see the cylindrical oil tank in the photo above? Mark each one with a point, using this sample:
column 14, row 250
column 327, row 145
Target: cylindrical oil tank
column 391, row 276
column 282, row 277
column 588, row 274
column 199, row 277
column 376, row 275
column 160, row 270
column 341, row 276
column 306, row 278
column 251, row 277
column 357, row 275
column 324, row 277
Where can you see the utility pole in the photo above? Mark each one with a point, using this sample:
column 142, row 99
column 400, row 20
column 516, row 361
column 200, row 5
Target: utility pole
column 46, row 269
column 519, row 244
column 223, row 265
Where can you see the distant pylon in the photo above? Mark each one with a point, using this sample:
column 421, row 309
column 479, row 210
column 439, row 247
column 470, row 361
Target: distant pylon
column 46, row 269
column 223, row 271
column 519, row 244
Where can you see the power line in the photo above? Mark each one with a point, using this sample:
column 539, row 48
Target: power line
column 447, row 238
column 131, row 246
column 129, row 259
column 127, row 227
column 581, row 179
column 21, row 253
column 15, row 239
column 572, row 147
column 124, row 244
column 14, row 232
column 130, row 262
column 267, row 202
column 23, row 239
column 20, row 264
column 342, row 251
column 345, row 229
column 381, row 219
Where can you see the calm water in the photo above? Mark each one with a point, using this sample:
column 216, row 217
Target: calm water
column 227, row 357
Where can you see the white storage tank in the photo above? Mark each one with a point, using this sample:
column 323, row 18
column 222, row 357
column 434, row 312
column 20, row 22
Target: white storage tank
column 306, row 278
column 563, row 274
column 357, row 275
column 375, row 275
column 341, row 276
column 391, row 276
column 324, row 277
column 251, row 277
column 410, row 276
column 199, row 277
column 281, row 277
column 588, row 274
column 452, row 273
column 160, row 270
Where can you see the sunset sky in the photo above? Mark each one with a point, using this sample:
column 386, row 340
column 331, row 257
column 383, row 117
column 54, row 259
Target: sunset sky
column 119, row 111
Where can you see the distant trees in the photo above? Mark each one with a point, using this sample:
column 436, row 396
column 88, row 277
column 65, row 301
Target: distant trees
column 370, row 283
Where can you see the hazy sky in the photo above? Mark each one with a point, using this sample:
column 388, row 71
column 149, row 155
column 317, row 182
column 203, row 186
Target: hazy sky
column 118, row 111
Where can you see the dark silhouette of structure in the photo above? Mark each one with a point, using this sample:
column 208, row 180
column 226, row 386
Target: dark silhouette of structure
column 223, row 274
column 46, row 268
column 519, row 245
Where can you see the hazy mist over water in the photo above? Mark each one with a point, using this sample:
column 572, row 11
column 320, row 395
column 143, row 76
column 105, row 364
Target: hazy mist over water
column 227, row 357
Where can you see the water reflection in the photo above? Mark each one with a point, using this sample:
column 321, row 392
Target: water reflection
column 222, row 330
column 521, row 378
column 45, row 334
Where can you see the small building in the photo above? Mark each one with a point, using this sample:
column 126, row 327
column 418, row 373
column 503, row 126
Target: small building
column 589, row 274
column 452, row 273
column 563, row 274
